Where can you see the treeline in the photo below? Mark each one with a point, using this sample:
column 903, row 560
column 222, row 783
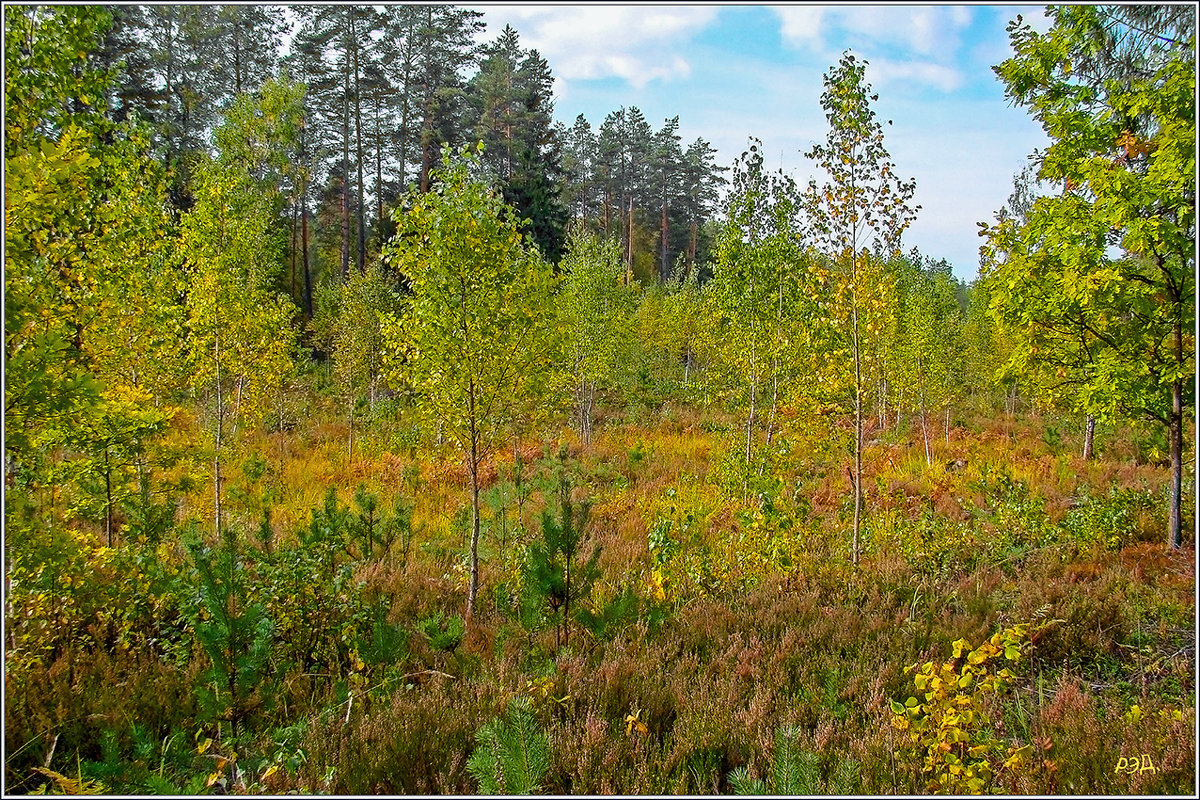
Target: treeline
column 385, row 89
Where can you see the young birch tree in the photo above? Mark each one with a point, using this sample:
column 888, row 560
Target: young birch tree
column 756, row 286
column 480, row 333
column 240, row 335
column 864, row 207
column 597, row 306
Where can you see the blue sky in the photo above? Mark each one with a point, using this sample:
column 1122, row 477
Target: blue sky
column 735, row 71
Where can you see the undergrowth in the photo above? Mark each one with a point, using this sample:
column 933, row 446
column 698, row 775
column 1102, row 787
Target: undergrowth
column 660, row 616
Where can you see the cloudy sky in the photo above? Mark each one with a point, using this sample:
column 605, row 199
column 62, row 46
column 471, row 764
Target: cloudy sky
column 735, row 71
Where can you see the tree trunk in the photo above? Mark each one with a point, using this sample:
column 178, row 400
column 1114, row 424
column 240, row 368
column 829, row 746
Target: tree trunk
column 858, row 415
column 237, row 52
column 378, row 176
column 925, row 430
column 217, row 443
column 750, row 416
column 292, row 253
column 362, row 225
column 108, row 498
column 663, row 231
column 346, row 168
column 308, row 289
column 1175, row 435
column 629, row 224
column 1089, row 435
column 473, row 586
column 883, row 390
column 693, row 242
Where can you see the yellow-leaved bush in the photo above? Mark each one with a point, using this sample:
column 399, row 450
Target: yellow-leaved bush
column 947, row 726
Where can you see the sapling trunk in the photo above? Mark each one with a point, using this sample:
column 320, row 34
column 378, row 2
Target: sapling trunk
column 1175, row 433
column 217, row 442
column 924, row 426
column 858, row 415
column 108, row 504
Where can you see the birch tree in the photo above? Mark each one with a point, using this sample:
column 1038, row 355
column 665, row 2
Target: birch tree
column 865, row 206
column 479, row 334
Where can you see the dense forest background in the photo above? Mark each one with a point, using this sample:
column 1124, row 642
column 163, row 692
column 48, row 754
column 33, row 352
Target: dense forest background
column 368, row 430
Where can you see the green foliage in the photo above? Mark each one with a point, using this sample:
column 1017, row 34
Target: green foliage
column 597, row 308
column 512, row 754
column 603, row 619
column 553, row 579
column 1097, row 283
column 328, row 530
column 483, row 304
column 373, row 532
column 50, row 80
column 241, row 341
column 947, row 725
column 766, row 318
column 479, row 332
column 1108, row 521
column 89, row 281
column 235, row 633
column 349, row 324
column 317, row 647
column 444, row 632
column 865, row 205
column 929, row 368
column 795, row 771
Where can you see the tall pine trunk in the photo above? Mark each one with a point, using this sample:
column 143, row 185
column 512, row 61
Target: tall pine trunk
column 308, row 288
column 664, row 267
column 362, row 226
column 345, row 263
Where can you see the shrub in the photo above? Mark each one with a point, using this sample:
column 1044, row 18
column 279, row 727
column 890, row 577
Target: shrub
column 948, row 726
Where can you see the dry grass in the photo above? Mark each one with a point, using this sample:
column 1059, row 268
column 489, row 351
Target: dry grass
column 767, row 623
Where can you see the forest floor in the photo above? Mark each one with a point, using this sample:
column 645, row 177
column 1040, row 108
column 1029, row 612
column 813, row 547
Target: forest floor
column 692, row 624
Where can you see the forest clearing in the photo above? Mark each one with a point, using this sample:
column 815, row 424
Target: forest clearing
column 367, row 431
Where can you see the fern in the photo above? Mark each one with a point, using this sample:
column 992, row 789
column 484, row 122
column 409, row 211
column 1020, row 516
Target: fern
column 512, row 755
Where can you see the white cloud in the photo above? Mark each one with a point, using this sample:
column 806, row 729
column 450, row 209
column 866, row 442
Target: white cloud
column 925, row 29
column 636, row 44
column 883, row 71
column 921, row 42
column 801, row 25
